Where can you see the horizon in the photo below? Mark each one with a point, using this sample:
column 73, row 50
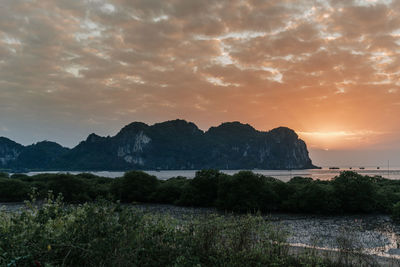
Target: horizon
column 322, row 68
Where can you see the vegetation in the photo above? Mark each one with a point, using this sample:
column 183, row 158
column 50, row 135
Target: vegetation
column 105, row 234
column 244, row 191
column 99, row 231
column 396, row 212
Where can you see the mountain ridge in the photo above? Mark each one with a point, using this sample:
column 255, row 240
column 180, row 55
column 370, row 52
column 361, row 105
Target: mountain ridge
column 170, row 145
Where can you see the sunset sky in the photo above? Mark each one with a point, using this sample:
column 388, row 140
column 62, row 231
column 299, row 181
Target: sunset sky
column 330, row 70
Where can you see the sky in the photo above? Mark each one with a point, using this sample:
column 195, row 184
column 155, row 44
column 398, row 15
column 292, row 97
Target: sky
column 330, row 70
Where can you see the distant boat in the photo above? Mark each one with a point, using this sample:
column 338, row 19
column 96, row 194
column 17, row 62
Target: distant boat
column 334, row 168
column 362, row 168
column 351, row 168
column 378, row 168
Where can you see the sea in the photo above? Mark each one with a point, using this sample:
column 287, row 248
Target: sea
column 325, row 173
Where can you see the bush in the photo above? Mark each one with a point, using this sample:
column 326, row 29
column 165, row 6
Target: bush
column 202, row 190
column 18, row 175
column 300, row 180
column 170, row 191
column 313, row 197
column 135, row 186
column 72, row 188
column 13, row 190
column 241, row 192
column 355, row 193
column 396, row 212
column 106, row 234
column 245, row 192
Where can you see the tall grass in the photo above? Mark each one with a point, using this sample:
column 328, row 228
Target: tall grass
column 103, row 233
column 108, row 234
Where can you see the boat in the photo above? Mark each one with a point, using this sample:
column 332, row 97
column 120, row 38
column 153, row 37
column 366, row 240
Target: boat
column 334, row 168
column 378, row 168
column 362, row 168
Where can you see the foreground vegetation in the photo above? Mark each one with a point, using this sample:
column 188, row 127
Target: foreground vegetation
column 99, row 231
column 244, row 191
column 105, row 234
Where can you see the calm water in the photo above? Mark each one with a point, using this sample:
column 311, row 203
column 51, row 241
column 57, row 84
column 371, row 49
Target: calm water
column 322, row 174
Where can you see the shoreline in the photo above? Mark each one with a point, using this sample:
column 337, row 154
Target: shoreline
column 324, row 174
column 354, row 258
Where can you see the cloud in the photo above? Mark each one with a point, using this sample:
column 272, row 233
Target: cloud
column 309, row 65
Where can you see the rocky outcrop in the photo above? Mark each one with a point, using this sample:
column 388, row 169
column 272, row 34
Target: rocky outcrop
column 176, row 145
column 240, row 146
column 41, row 155
column 9, row 151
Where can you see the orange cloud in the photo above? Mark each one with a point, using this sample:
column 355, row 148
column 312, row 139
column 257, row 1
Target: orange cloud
column 325, row 69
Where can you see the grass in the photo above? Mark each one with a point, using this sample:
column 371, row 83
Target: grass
column 104, row 233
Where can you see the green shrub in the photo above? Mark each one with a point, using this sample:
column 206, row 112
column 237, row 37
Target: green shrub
column 300, row 180
column 72, row 188
column 202, row 190
column 18, row 175
column 313, row 197
column 170, row 191
column 244, row 192
column 135, row 186
column 355, row 193
column 241, row 192
column 396, row 212
column 106, row 234
column 13, row 190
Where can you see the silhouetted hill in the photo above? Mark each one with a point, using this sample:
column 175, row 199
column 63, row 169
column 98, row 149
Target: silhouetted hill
column 40, row 155
column 175, row 144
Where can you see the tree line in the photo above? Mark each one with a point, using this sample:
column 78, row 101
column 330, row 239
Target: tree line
column 244, row 191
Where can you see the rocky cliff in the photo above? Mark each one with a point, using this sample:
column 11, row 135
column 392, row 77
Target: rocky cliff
column 9, row 151
column 172, row 145
column 42, row 155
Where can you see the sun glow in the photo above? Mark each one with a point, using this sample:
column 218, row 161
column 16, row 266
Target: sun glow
column 339, row 139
